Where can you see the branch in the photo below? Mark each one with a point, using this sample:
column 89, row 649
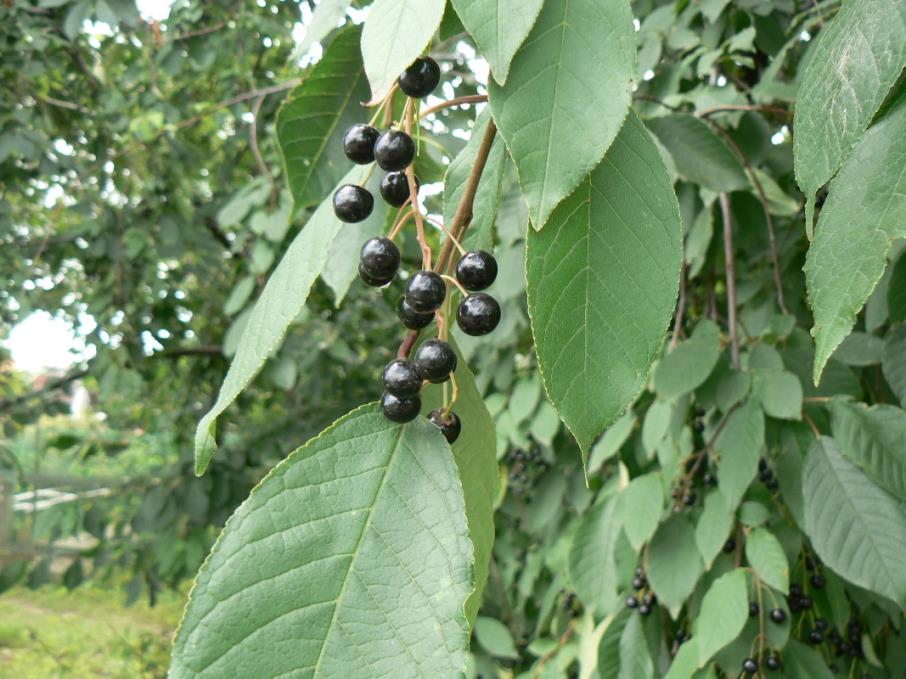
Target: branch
column 204, row 350
column 459, row 101
column 219, row 235
column 731, row 277
column 6, row 404
column 704, row 113
column 253, row 144
column 59, row 103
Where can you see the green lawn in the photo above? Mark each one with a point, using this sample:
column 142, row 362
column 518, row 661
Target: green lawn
column 52, row 633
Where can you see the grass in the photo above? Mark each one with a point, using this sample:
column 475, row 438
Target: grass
column 50, row 633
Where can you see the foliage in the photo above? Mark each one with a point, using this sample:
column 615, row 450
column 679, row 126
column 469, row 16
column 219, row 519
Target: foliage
column 636, row 176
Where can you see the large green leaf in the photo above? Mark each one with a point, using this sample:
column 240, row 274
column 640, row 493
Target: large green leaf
column 739, row 444
column 635, row 657
column 767, row 558
column 699, row 155
column 351, row 557
column 566, row 97
column 674, row 564
column 690, row 363
column 723, row 615
column 280, row 303
column 640, row 506
column 602, row 281
column 487, row 197
column 475, row 452
column 893, row 363
column 324, row 20
column 609, row 647
column 498, row 27
column 313, row 119
column 875, row 440
column 865, row 210
column 856, row 527
column 713, row 527
column 857, row 59
column 592, row 566
column 395, row 34
column 801, row 662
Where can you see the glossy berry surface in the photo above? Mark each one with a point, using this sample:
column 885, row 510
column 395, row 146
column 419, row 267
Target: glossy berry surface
column 358, row 143
column 400, row 409
column 478, row 314
column 772, row 662
column 379, row 262
column 729, row 546
column 394, row 150
column 632, row 602
column 448, row 422
column 778, row 615
column 750, row 666
column 395, row 188
column 435, row 360
column 401, row 379
column 352, row 203
column 420, row 79
column 476, row 270
column 425, row 291
column 409, row 317
column 754, row 609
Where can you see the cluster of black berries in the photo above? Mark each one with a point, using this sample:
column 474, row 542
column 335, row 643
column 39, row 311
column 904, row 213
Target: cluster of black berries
column 478, row 313
column 524, row 465
column 698, row 477
column 766, row 475
column 644, row 599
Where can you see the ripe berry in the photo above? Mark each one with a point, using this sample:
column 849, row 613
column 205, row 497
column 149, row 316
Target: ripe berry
column 818, row 581
column 425, row 291
column 638, row 583
column 754, row 609
column 401, row 379
column 352, row 203
column 772, row 662
column 448, row 422
column 729, row 546
column 709, row 479
column 816, row 636
column 379, row 261
column 420, row 79
column 632, row 602
column 409, row 317
column 476, row 270
column 435, row 360
column 645, row 610
column 778, row 615
column 394, row 150
column 805, row 603
column 395, row 188
column 820, row 624
column 358, row 143
column 400, row 409
column 690, row 498
column 750, row 666
column 478, row 314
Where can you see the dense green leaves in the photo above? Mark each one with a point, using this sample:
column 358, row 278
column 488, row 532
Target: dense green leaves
column 312, row 121
column 498, row 28
column 739, row 444
column 566, row 97
column 766, row 556
column 690, row 363
column 592, row 565
column 635, row 658
column 674, row 564
column 597, row 323
column 713, row 527
column 353, row 552
column 863, row 213
column 394, row 36
column 857, row 59
column 854, row 526
column 640, row 508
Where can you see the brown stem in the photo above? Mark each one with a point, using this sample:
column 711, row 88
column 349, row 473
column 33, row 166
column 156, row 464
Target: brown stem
column 731, row 277
column 259, row 159
column 413, row 195
column 458, row 101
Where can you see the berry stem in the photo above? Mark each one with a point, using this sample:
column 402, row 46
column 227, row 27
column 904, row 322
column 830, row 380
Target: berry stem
column 440, row 225
column 455, row 282
column 413, row 194
column 458, row 101
column 455, row 396
column 400, row 221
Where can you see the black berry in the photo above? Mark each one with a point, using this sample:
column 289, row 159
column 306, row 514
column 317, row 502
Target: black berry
column 395, row 188
column 805, row 603
column 448, row 422
column 379, row 261
column 425, row 291
column 690, row 498
column 400, row 409
column 478, row 314
column 358, row 143
column 778, row 615
column 750, row 666
column 435, row 360
column 409, row 317
column 820, row 624
column 816, row 636
column 754, row 609
column 394, row 150
column 645, row 609
column 401, row 379
column 632, row 602
column 818, row 581
column 772, row 662
column 420, row 79
column 729, row 546
column 638, row 583
column 352, row 203
column 476, row 270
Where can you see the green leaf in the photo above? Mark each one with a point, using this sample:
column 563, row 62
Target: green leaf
column 780, row 394
column 860, row 349
column 395, row 34
column 674, row 565
column 499, row 28
column 609, row 648
column 766, row 556
column 896, row 291
column 598, row 321
column 857, row 59
column 873, row 438
column 475, row 453
column 690, row 363
column 280, row 303
column 713, row 527
column 611, row 442
column 640, row 506
column 592, row 566
column 579, row 58
column 487, row 197
column 361, row 530
column 699, row 155
column 856, row 528
column 495, row 638
column 312, row 120
column 864, row 211
column 893, row 364
column 635, row 658
column 327, row 16
column 723, row 614
column 739, row 444
column 801, row 662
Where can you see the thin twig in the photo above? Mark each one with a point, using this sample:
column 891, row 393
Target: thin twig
column 727, row 216
column 458, row 101
column 259, row 159
column 413, row 195
column 704, row 113
column 59, row 103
